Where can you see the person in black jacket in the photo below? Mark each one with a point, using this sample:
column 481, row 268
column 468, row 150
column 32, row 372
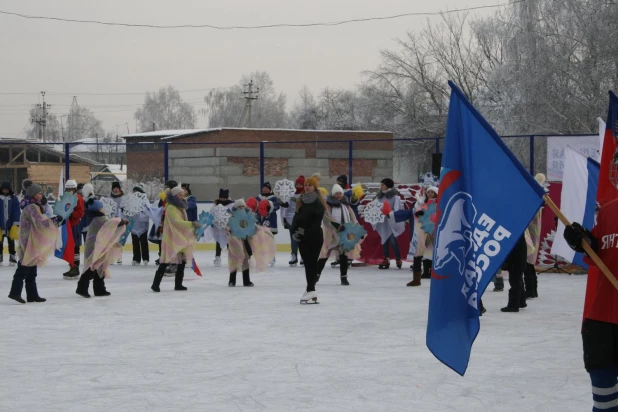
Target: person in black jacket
column 307, row 231
column 516, row 265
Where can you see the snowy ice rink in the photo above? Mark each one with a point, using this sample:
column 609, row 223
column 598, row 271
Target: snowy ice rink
column 215, row 348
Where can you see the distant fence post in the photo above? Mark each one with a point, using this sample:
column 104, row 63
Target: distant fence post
column 350, row 161
column 437, row 145
column 532, row 154
column 166, row 154
column 67, row 161
column 261, row 165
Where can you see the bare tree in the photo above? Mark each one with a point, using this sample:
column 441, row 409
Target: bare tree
column 165, row 109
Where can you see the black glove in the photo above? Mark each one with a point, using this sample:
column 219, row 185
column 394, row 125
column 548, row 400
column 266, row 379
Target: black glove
column 574, row 235
column 286, row 225
column 419, row 213
column 285, row 204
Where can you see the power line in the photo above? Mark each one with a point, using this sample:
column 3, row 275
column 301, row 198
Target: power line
column 109, row 94
column 268, row 26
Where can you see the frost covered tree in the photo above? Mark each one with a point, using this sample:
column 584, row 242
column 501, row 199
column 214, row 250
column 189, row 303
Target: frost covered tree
column 225, row 107
column 165, row 110
column 52, row 130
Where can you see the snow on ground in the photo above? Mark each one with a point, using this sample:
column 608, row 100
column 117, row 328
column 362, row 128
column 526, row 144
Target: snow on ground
column 215, row 348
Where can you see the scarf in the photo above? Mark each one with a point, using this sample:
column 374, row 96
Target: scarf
column 117, row 196
column 307, row 198
column 179, row 203
column 340, row 213
column 331, row 201
column 389, row 194
column 28, row 201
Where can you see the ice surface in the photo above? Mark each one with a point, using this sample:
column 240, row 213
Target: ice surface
column 215, row 348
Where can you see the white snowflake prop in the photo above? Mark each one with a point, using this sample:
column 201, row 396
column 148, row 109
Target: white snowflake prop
column 109, row 206
column 373, row 213
column 220, row 216
column 429, row 179
column 134, row 203
column 284, row 189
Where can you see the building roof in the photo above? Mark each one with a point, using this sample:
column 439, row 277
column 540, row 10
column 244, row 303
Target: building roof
column 56, row 149
column 174, row 134
column 90, row 146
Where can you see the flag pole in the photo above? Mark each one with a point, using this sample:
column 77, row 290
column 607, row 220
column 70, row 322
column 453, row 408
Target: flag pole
column 597, row 261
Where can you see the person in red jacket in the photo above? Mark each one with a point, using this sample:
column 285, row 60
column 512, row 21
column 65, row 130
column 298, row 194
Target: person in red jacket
column 600, row 325
column 75, row 225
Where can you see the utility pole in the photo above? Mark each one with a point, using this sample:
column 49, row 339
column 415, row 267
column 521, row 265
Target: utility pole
column 73, row 114
column 41, row 121
column 249, row 95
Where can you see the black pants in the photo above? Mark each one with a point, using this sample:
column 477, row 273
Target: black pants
column 27, row 274
column 11, row 245
column 600, row 341
column 516, row 265
column 343, row 265
column 218, row 249
column 140, row 247
column 310, row 252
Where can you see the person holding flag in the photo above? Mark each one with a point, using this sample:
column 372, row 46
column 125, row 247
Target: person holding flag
column 75, row 230
column 476, row 227
column 600, row 324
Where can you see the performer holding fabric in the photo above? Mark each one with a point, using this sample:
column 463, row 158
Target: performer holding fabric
column 389, row 230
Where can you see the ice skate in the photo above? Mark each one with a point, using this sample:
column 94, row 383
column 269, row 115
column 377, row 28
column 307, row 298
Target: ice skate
column 170, row 271
column 145, row 263
column 273, row 262
column 135, row 263
column 119, row 261
column 217, row 261
column 72, row 274
column 344, row 281
column 334, row 264
column 12, row 260
column 399, row 264
column 293, row 260
column 309, row 298
column 385, row 264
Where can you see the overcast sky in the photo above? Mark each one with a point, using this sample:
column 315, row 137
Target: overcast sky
column 38, row 55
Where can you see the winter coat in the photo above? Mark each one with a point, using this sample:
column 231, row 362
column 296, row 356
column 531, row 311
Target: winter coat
column 9, row 212
column 216, row 234
column 102, row 246
column 192, row 209
column 37, row 234
column 118, row 199
column 178, row 237
column 140, row 224
column 270, row 220
column 309, row 218
column 287, row 213
column 388, row 227
column 336, row 215
column 353, row 205
column 261, row 246
column 78, row 212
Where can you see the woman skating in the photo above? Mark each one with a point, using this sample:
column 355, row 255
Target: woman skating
column 339, row 212
column 307, row 231
column 178, row 238
column 288, row 210
column 37, row 241
column 102, row 248
column 239, row 251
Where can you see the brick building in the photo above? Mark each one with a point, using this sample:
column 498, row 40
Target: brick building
column 213, row 158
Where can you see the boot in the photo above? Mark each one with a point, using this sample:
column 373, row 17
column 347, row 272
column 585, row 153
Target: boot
column 158, row 277
column 232, row 281
column 83, row 284
column 37, row 299
column 98, row 286
column 73, row 273
column 180, row 274
column 17, row 298
column 514, row 302
column 246, row 280
column 482, row 309
column 343, row 270
column 399, row 263
column 416, row 280
column 426, row 269
column 385, row 264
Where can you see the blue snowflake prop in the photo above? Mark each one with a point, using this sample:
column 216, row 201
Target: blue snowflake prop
column 127, row 232
column 425, row 220
column 242, row 224
column 351, row 235
column 205, row 218
column 65, row 205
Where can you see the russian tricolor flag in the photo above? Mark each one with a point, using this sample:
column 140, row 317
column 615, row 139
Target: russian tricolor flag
column 195, row 268
column 67, row 251
column 578, row 200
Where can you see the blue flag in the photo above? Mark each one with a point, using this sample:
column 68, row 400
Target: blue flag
column 486, row 201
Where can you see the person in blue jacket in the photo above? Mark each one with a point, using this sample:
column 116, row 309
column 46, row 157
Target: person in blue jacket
column 270, row 220
column 9, row 217
column 191, row 202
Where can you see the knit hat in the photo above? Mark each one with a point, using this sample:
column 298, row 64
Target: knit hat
column 171, row 183
column 224, row 193
column 300, row 180
column 267, row 184
column 388, row 183
column 115, row 185
column 312, row 181
column 176, row 190
column 6, row 185
column 317, row 176
column 72, row 184
column 240, row 202
column 95, row 205
column 337, row 189
column 33, row 189
column 26, row 183
column 433, row 189
column 88, row 191
column 139, row 188
column 343, row 179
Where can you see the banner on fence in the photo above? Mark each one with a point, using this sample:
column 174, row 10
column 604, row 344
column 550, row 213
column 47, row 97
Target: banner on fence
column 587, row 145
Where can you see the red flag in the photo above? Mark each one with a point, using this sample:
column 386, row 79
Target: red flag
column 67, row 253
column 386, row 208
column 195, row 268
